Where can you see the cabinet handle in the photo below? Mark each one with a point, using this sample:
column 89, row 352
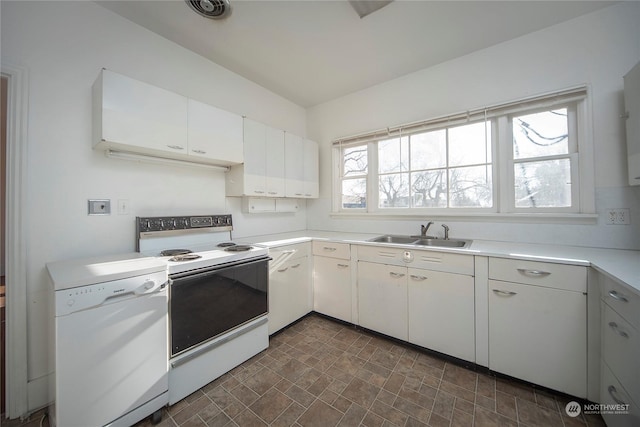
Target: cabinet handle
column 283, row 270
column 612, row 392
column 199, row 151
column 504, row 293
column 418, row 278
column 616, row 328
column 298, row 194
column 176, row 147
column 295, row 266
column 328, row 248
column 619, row 297
column 396, row 275
column 533, row 273
column 343, row 265
column 258, row 192
column 273, row 192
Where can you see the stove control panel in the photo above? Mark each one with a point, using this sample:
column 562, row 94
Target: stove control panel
column 171, row 223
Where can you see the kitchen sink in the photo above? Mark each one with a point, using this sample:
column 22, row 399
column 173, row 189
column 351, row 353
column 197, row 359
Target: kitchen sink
column 422, row 241
column 394, row 239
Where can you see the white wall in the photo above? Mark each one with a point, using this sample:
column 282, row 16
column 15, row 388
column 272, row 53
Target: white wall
column 63, row 45
column 596, row 49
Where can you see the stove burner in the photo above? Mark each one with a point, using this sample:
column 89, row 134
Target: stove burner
column 172, row 252
column 226, row 244
column 185, row 257
column 238, row 248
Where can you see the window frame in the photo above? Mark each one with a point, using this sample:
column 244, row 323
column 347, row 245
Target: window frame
column 582, row 209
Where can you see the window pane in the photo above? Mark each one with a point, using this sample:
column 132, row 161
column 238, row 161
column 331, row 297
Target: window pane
column 354, row 193
column 429, row 189
column 470, row 144
column 470, row 187
column 354, row 161
column 429, row 150
column 393, row 155
column 541, row 134
column 394, row 190
column 543, row 184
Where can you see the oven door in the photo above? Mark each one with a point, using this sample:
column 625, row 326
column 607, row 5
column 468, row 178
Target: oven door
column 209, row 302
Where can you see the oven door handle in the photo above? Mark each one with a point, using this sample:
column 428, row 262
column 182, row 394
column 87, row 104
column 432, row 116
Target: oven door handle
column 214, row 268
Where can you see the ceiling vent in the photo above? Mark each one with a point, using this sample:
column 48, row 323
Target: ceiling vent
column 214, row 9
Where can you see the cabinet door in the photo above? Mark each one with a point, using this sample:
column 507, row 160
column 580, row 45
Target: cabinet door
column 539, row 335
column 632, row 107
column 441, row 312
column 382, row 298
column 289, row 293
column 274, row 162
column 332, row 287
column 311, row 169
column 214, row 133
column 254, row 158
column 138, row 114
column 294, row 165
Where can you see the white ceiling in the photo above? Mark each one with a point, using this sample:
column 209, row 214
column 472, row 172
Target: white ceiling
column 312, row 51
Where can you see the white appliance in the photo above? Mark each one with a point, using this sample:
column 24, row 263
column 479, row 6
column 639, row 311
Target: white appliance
column 218, row 296
column 110, row 340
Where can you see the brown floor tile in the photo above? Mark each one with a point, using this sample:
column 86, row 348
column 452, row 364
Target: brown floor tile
column 301, row 396
column 245, row 395
column 353, row 416
column 461, row 419
column 460, row 376
column 289, row 416
column 271, row 405
column 485, row 418
column 361, row 392
column 486, row 386
column 372, row 420
column 506, row 405
column 516, row 389
column 443, row 404
column 320, row 415
column 389, row 413
column 263, row 380
column 533, row 415
column 248, row 419
column 418, row 412
column 438, row 421
column 457, row 391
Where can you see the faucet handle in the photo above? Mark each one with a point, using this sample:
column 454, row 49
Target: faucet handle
column 446, row 231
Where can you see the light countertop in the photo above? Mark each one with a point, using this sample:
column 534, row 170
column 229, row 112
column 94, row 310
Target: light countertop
column 621, row 265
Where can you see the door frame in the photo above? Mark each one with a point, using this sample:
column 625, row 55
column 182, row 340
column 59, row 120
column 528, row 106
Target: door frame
column 16, row 242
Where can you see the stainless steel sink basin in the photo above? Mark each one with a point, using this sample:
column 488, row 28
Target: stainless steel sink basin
column 394, row 239
column 420, row 241
column 451, row 243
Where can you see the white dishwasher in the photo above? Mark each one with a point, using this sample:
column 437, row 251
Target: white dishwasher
column 110, row 341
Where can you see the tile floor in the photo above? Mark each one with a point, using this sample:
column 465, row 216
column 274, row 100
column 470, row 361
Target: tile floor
column 322, row 373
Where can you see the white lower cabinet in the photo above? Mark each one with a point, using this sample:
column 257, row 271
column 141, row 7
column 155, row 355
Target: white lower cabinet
column 382, row 298
column 290, row 291
column 332, row 287
column 538, row 334
column 441, row 312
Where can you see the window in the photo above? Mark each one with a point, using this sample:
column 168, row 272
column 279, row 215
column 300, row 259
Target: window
column 516, row 158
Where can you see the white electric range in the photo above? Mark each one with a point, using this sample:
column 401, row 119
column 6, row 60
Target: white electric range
column 218, row 296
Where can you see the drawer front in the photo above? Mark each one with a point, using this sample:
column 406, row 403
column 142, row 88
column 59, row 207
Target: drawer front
column 622, row 300
column 621, row 351
column 282, row 254
column 429, row 260
column 557, row 276
column 613, row 393
column 332, row 249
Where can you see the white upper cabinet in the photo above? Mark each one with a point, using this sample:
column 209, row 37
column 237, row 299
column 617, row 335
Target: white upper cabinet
column 130, row 113
column 632, row 107
column 136, row 117
column 262, row 173
column 301, row 167
column 214, row 133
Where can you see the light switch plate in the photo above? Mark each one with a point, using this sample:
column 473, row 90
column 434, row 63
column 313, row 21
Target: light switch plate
column 99, row 207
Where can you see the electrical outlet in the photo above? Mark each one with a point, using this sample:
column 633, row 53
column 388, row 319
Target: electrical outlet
column 99, row 207
column 617, row 216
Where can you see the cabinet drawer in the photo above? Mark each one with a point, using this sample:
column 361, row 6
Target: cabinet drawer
column 429, row 260
column 557, row 276
column 332, row 249
column 613, row 393
column 622, row 300
column 621, row 350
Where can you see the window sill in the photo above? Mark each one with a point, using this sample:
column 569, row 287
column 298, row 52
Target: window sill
column 532, row 218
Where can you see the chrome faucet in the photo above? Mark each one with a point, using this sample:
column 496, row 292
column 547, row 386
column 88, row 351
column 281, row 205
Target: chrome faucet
column 446, row 231
column 423, row 229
